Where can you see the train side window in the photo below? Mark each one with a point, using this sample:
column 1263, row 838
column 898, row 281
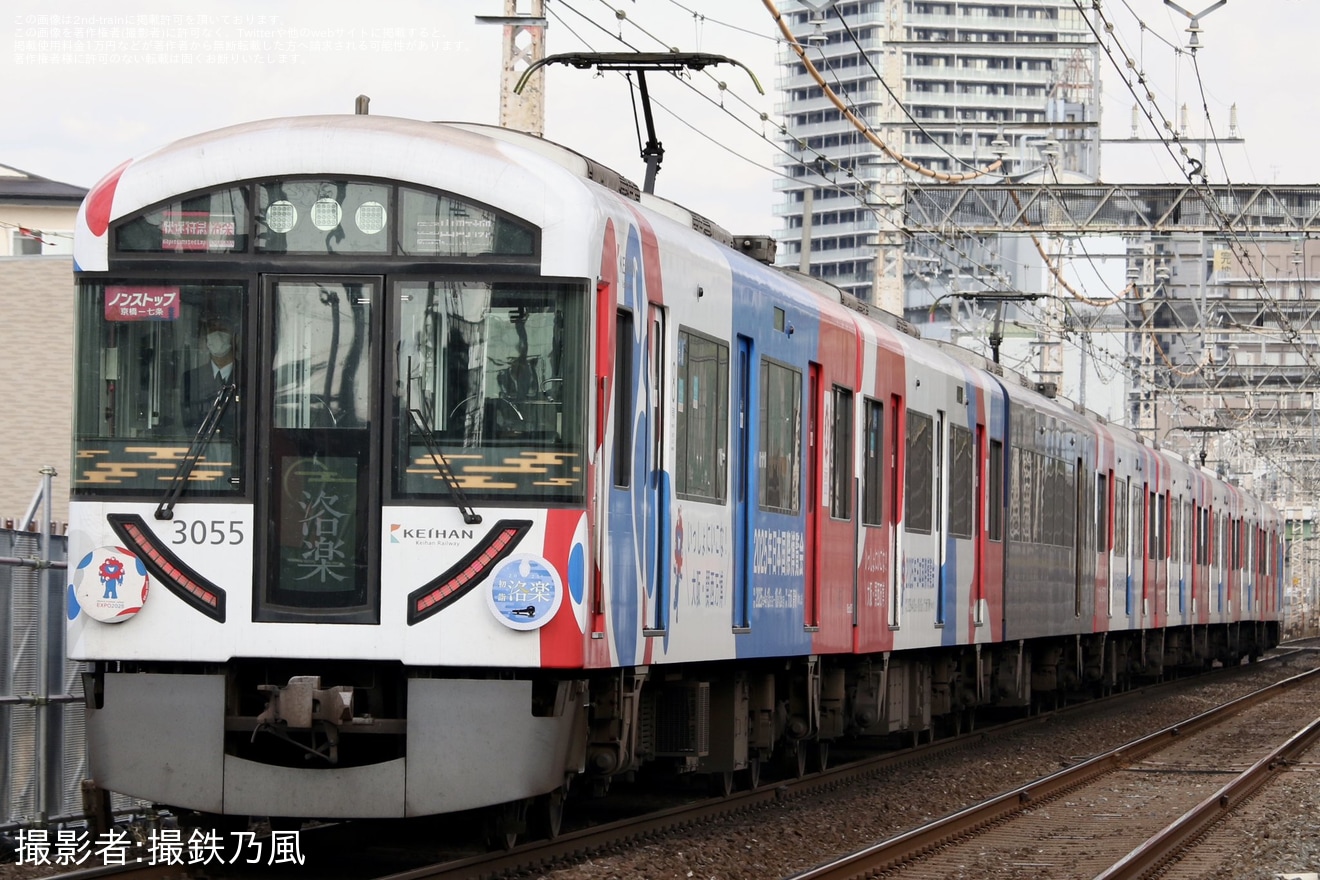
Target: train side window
column 1048, row 513
column 1188, row 532
column 623, row 398
column 1015, row 495
column 1102, row 512
column 1064, row 495
column 841, row 453
column 702, row 420
column 1236, row 528
column 1073, row 509
column 1141, row 501
column 1167, row 518
column 1219, row 547
column 873, row 467
column 1120, row 517
column 1028, row 502
column 1201, row 536
column 963, row 486
column 995, row 505
column 1175, row 531
column 919, row 472
column 779, row 467
column 1033, row 500
column 1153, row 531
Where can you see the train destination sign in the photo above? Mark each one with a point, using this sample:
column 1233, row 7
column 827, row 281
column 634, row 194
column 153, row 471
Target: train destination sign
column 141, row 302
column 197, row 231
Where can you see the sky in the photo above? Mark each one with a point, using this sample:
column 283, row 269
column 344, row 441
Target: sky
column 87, row 87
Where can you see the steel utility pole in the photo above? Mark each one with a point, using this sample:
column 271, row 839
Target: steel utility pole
column 524, row 45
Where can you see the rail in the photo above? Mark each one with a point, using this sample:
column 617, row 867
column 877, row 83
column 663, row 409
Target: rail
column 912, row 844
column 1151, row 855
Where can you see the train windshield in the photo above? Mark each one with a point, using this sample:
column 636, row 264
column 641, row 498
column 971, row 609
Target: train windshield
column 152, row 360
column 494, row 371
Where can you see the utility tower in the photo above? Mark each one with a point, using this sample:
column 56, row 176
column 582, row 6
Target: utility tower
column 524, row 45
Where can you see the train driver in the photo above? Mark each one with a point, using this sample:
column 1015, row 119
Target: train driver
column 220, row 368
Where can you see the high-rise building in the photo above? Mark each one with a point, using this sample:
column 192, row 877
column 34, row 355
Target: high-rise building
column 952, row 86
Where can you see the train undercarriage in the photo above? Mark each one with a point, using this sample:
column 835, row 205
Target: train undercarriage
column 301, row 739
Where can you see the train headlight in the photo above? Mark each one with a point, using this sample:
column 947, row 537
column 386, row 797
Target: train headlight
column 326, row 214
column 281, row 216
column 370, row 217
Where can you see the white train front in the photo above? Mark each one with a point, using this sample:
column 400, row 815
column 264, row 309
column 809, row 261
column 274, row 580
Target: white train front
column 421, row 468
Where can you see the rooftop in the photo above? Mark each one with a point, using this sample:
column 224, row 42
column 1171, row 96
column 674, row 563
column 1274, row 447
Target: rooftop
column 18, row 187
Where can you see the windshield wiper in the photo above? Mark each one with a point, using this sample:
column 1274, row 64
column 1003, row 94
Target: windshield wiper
column 223, row 397
column 470, row 516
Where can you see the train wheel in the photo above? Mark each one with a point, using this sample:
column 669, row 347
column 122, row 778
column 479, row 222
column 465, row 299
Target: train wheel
column 753, row 773
column 549, row 814
column 721, row 783
column 505, row 823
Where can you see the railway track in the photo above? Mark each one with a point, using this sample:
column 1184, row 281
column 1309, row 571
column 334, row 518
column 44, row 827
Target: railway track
column 600, row 840
column 1120, row 815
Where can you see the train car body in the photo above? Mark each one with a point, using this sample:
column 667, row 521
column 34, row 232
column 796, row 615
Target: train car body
column 422, row 467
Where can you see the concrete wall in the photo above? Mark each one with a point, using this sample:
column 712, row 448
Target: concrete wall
column 36, row 375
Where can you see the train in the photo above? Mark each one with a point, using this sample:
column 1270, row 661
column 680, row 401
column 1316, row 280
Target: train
column 422, row 468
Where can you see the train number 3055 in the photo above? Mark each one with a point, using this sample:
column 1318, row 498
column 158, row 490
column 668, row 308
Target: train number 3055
column 200, row 531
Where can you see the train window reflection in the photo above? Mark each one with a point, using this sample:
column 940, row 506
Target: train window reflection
column 208, row 223
column 778, row 467
column 322, row 217
column 152, row 358
column 437, row 225
column 496, row 371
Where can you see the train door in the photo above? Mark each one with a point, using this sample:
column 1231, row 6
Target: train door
column 1081, row 482
column 897, row 462
column 1141, row 542
column 811, row 602
column 1123, row 540
column 939, row 525
column 318, row 462
column 657, row 494
column 1194, row 559
column 742, row 469
column 1104, row 504
column 979, row 533
column 1220, row 573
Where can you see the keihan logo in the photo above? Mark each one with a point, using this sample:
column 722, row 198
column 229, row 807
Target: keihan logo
column 397, row 532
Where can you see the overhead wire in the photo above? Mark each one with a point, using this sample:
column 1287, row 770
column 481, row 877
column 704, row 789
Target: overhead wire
column 850, row 190
column 860, row 124
column 1207, row 197
column 1238, row 247
column 841, row 188
column 865, row 130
